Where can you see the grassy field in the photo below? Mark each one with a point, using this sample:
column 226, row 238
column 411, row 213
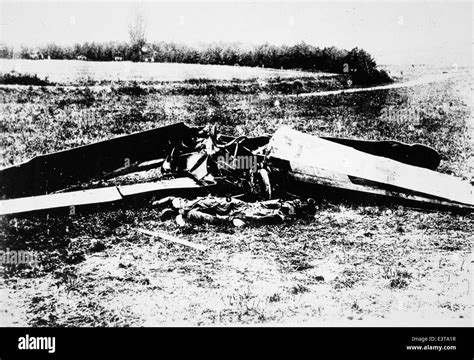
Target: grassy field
column 350, row 263
column 103, row 72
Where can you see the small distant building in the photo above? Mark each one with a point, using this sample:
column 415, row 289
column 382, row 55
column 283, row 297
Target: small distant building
column 36, row 56
column 81, row 57
column 150, row 56
column 118, row 58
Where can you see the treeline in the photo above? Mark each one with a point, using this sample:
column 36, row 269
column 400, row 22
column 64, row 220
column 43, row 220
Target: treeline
column 356, row 62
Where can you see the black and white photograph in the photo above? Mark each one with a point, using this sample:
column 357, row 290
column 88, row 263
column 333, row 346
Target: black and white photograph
column 236, row 164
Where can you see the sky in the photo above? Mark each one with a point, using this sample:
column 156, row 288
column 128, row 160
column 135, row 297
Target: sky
column 393, row 32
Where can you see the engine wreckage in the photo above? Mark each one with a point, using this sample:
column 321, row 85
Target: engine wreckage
column 195, row 173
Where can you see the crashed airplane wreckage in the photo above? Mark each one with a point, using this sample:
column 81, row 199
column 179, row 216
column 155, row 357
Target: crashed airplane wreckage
column 191, row 161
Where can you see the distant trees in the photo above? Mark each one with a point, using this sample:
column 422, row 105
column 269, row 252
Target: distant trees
column 362, row 68
column 356, row 63
column 6, row 52
column 137, row 32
